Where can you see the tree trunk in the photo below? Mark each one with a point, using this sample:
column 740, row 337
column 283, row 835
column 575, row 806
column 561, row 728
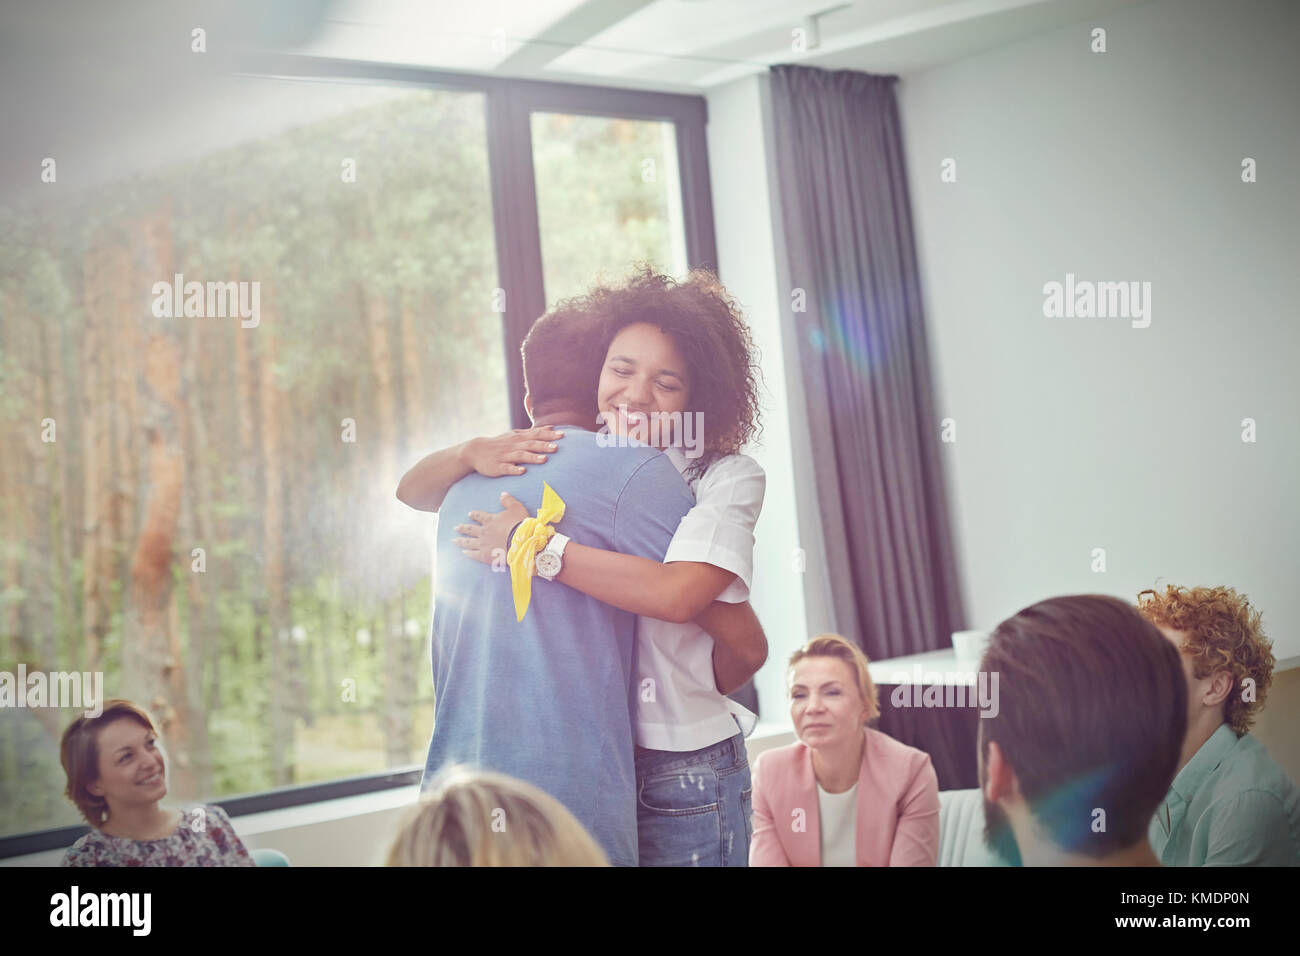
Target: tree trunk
column 198, row 534
column 97, row 478
column 66, row 618
column 329, row 638
column 128, row 448
column 414, row 400
column 53, row 595
column 245, row 402
column 149, row 649
column 12, row 509
column 396, row 714
column 273, row 557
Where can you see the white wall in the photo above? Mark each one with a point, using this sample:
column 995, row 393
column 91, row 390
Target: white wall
column 1074, row 434
column 750, row 255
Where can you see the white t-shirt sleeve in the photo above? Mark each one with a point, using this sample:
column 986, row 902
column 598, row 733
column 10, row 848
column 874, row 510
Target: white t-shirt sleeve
column 719, row 530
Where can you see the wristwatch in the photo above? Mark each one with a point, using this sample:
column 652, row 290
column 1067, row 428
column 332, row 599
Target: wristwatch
column 551, row 558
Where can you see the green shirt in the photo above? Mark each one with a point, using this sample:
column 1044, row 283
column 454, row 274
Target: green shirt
column 1230, row 806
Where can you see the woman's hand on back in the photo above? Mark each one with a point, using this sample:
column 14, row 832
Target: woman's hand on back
column 506, row 454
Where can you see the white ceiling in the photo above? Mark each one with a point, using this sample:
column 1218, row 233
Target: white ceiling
column 111, row 88
column 679, row 45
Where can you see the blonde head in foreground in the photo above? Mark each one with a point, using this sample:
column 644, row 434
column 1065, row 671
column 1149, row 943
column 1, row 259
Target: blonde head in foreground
column 476, row 818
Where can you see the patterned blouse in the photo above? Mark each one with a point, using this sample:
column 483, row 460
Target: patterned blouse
column 205, row 837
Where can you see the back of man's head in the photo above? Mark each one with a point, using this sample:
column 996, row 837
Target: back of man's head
column 562, row 361
column 1092, row 709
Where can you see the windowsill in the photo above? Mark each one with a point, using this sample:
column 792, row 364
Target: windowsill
column 269, row 822
column 348, row 830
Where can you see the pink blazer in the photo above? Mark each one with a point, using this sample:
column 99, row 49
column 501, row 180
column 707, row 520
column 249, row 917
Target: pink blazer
column 898, row 807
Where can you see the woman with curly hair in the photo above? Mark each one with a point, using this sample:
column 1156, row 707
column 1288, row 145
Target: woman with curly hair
column 677, row 372
column 1230, row 804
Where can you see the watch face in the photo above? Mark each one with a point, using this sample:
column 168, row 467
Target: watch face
column 548, row 564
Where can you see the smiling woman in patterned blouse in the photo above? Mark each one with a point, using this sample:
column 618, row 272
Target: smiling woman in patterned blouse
column 117, row 776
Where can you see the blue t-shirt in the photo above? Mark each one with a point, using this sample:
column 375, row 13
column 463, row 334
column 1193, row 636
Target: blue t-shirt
column 546, row 699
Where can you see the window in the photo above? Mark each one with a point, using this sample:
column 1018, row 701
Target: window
column 287, row 640
column 607, row 195
column 237, row 354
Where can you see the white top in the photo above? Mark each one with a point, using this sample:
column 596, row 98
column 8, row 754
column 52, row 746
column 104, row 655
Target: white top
column 839, row 823
column 678, row 704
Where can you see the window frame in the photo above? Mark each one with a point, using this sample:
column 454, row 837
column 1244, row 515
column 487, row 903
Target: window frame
column 509, row 105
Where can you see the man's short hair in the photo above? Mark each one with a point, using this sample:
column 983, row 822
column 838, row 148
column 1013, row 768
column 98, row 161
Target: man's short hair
column 1223, row 633
column 562, row 360
column 1092, row 710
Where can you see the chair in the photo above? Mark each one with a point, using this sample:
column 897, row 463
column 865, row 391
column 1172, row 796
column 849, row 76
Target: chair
column 265, row 856
column 961, row 830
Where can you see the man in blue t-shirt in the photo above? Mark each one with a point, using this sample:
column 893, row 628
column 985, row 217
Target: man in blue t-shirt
column 546, row 699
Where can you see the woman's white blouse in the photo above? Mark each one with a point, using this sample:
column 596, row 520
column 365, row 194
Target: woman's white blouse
column 838, row 813
column 719, row 530
column 679, row 707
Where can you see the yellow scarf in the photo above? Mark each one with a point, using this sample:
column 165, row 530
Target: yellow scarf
column 530, row 538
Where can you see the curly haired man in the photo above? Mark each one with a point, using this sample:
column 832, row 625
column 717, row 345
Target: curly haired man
column 1230, row 804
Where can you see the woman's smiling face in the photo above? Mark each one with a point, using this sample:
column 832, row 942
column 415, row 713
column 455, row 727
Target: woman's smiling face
column 132, row 765
column 644, row 375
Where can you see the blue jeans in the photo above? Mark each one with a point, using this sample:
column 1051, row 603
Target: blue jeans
column 694, row 808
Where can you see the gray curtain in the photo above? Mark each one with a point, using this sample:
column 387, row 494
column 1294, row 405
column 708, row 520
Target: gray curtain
column 862, row 346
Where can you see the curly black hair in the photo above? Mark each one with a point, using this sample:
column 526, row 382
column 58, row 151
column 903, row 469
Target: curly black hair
column 707, row 327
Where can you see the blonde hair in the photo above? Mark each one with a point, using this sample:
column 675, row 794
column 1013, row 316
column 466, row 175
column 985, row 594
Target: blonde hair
column 833, row 645
column 477, row 818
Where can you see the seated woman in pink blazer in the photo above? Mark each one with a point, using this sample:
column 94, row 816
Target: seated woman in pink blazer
column 844, row 794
